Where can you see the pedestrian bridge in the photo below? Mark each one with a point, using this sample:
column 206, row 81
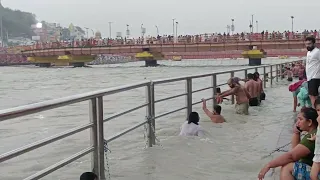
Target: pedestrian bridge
column 98, row 116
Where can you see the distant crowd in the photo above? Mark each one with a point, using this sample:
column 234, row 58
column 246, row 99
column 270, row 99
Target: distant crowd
column 181, row 39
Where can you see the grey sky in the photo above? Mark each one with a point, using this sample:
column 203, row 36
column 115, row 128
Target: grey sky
column 194, row 16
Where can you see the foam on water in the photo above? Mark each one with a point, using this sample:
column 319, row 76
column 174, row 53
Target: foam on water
column 232, row 150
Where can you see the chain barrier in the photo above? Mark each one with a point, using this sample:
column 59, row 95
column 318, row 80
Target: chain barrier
column 145, row 134
column 279, row 149
column 106, row 150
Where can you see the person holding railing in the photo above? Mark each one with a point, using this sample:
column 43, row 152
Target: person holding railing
column 192, row 127
column 215, row 116
column 296, row 164
column 242, row 95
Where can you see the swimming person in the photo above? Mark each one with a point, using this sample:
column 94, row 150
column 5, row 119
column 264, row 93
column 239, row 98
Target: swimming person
column 215, row 116
column 192, row 127
column 242, row 96
column 253, row 88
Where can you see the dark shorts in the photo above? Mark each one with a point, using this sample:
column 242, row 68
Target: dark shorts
column 289, row 79
column 313, row 86
column 263, row 96
column 254, row 101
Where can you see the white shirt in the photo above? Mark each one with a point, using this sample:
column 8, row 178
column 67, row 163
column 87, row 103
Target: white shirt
column 313, row 64
column 191, row 129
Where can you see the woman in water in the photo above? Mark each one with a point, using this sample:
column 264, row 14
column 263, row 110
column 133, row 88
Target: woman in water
column 192, row 127
column 296, row 164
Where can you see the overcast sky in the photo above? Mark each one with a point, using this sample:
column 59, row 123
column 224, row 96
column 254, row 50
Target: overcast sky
column 194, row 16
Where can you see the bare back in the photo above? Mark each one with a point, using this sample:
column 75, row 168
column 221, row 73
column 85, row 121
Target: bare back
column 241, row 95
column 253, row 88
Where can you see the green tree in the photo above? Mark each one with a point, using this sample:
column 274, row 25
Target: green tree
column 17, row 23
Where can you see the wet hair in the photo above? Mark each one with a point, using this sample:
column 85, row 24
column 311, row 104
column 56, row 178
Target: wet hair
column 250, row 76
column 312, row 39
column 310, row 114
column 217, row 109
column 88, row 176
column 193, row 118
column 234, row 80
column 317, row 102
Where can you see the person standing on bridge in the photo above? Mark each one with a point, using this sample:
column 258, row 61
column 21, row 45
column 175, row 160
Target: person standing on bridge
column 242, row 95
column 312, row 68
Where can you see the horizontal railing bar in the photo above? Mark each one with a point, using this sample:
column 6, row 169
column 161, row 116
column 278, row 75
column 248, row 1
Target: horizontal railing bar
column 203, row 89
column 171, row 97
column 167, row 80
column 222, row 84
column 55, row 103
column 43, row 142
column 170, row 112
column 125, row 131
column 124, row 112
column 60, row 164
column 199, row 102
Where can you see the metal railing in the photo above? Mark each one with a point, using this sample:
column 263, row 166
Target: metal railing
column 97, row 119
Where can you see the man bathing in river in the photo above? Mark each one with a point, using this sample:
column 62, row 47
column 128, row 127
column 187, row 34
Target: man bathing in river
column 242, row 96
column 253, row 88
column 215, row 116
column 262, row 95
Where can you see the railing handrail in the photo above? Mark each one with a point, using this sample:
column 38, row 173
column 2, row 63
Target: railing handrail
column 96, row 115
column 54, row 103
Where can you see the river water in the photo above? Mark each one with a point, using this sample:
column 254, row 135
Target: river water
column 233, row 150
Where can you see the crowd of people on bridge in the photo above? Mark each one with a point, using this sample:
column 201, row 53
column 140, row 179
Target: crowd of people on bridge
column 181, row 39
column 302, row 162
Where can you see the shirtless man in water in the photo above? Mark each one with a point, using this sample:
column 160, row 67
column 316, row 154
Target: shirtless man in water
column 262, row 95
column 242, row 96
column 253, row 88
column 215, row 115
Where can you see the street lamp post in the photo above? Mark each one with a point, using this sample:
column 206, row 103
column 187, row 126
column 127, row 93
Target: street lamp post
column 128, row 31
column 87, row 32
column 177, row 31
column 157, row 30
column 292, row 18
column 110, row 23
column 257, row 26
column 173, row 20
column 252, row 23
column 232, row 26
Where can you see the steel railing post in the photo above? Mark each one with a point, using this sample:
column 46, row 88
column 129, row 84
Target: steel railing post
column 245, row 74
column 265, row 77
column 93, row 135
column 277, row 73
column 149, row 115
column 100, row 136
column 271, row 78
column 189, row 96
column 232, row 96
column 214, row 85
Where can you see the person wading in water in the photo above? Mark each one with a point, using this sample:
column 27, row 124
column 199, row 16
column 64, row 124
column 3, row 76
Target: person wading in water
column 242, row 96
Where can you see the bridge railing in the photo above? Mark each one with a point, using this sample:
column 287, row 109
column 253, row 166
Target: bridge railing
column 121, row 43
column 97, row 118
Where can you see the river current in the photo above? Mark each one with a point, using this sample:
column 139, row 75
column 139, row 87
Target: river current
column 232, row 150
